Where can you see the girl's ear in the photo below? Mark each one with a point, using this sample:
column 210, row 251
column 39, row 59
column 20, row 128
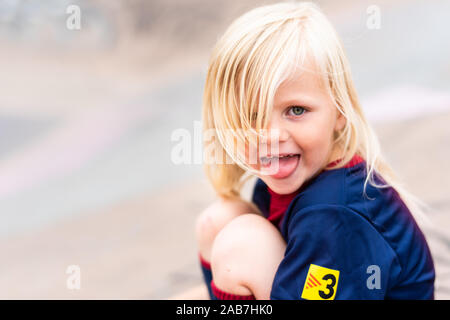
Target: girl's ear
column 340, row 122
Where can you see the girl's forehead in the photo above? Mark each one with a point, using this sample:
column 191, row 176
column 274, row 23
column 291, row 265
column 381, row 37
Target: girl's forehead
column 307, row 82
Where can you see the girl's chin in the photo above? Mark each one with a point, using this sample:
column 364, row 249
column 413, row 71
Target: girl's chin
column 286, row 186
column 283, row 189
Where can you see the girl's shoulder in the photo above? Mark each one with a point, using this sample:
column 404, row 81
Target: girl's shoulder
column 333, row 187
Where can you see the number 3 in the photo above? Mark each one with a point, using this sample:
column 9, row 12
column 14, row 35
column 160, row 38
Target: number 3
column 330, row 287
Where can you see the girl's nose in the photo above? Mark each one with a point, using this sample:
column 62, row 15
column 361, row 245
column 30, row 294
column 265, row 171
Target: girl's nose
column 283, row 135
column 277, row 131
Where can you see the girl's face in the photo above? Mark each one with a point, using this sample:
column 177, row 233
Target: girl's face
column 304, row 119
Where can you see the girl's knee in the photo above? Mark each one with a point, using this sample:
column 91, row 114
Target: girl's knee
column 245, row 256
column 214, row 218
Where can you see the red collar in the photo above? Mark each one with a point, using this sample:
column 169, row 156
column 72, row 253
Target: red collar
column 353, row 162
column 280, row 202
column 278, row 205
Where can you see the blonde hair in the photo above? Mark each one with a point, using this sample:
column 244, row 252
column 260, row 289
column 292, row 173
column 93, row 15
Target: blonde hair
column 259, row 51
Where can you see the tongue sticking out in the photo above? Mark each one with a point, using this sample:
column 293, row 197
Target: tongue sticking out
column 280, row 168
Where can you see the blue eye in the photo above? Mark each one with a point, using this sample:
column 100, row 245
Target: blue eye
column 296, row 111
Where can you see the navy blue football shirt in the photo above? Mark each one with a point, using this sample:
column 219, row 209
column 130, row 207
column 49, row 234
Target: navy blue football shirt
column 342, row 244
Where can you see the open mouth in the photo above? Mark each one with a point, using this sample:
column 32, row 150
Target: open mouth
column 280, row 166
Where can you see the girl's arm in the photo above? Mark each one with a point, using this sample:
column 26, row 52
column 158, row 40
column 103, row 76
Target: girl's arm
column 332, row 252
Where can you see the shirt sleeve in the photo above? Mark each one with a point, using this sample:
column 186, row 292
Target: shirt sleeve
column 333, row 253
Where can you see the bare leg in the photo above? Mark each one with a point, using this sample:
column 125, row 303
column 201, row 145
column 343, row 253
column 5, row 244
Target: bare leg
column 245, row 256
column 214, row 218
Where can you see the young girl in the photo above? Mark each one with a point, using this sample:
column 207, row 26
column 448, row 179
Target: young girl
column 328, row 219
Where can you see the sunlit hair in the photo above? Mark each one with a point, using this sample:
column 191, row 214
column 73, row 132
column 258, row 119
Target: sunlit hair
column 260, row 50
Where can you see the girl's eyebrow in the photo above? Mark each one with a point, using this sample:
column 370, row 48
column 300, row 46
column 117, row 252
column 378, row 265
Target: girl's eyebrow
column 301, row 102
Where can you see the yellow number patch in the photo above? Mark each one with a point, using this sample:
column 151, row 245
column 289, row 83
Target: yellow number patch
column 321, row 283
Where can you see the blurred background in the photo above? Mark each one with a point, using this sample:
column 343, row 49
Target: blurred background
column 87, row 112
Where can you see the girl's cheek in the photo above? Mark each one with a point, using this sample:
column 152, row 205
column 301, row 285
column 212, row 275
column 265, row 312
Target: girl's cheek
column 314, row 133
column 307, row 136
